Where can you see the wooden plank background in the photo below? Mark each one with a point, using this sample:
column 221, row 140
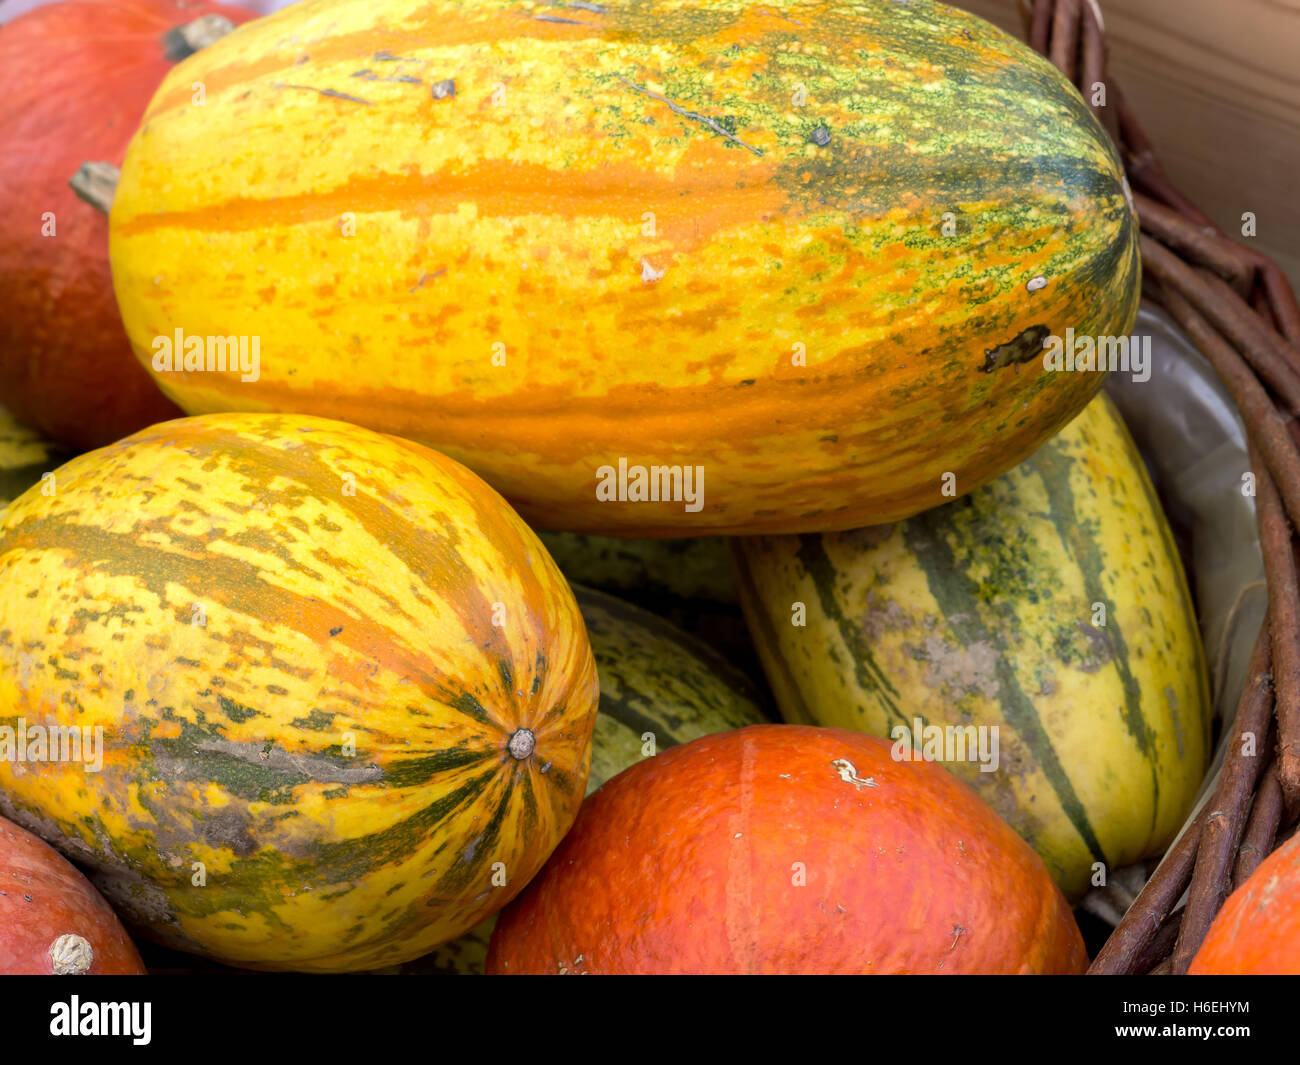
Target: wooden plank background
column 1216, row 85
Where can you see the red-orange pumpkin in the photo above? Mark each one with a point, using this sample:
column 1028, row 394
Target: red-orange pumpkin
column 1258, row 930
column 788, row 849
column 75, row 78
column 52, row 922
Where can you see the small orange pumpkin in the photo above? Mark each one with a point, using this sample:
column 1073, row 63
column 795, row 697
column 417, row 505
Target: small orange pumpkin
column 1258, row 930
column 52, row 921
column 75, row 78
column 788, row 849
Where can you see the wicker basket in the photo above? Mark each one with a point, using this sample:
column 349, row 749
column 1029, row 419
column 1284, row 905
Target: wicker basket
column 1237, row 307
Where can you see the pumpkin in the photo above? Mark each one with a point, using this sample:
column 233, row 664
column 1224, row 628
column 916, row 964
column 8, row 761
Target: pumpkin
column 657, row 270
column 52, row 922
column 1257, row 932
column 659, row 687
column 25, row 456
column 75, row 77
column 1046, row 613
column 788, row 849
column 346, row 698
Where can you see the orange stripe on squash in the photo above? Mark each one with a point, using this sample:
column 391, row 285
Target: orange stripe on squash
column 642, row 218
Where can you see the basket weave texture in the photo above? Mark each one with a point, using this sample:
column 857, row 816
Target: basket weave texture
column 1238, row 308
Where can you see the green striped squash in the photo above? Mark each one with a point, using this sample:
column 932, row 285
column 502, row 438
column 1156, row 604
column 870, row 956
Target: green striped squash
column 344, row 699
column 687, row 582
column 24, row 457
column 658, row 688
column 1049, row 605
column 690, row 571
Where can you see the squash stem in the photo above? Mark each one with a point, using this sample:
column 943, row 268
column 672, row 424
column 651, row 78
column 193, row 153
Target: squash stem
column 181, row 42
column 96, row 184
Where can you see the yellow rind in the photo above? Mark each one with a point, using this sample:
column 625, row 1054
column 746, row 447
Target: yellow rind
column 620, row 238
column 307, row 646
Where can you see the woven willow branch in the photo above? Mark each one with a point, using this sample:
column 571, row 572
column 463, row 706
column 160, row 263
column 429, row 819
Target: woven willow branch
column 1237, row 307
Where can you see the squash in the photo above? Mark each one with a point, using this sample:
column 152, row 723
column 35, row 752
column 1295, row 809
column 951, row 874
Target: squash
column 686, row 582
column 658, row 688
column 689, row 574
column 1040, row 627
column 52, row 922
column 75, row 78
column 346, row 698
column 1257, row 933
column 25, row 456
column 792, row 850
column 656, row 270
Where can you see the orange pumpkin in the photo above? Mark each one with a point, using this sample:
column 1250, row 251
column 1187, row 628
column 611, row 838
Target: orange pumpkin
column 788, row 849
column 1258, row 930
column 75, row 78
column 52, row 922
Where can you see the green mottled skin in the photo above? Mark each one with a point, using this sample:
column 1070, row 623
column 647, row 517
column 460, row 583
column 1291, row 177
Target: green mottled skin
column 24, row 457
column 690, row 569
column 687, row 582
column 224, row 740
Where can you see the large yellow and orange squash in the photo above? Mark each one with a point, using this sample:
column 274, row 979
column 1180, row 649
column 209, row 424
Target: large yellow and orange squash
column 344, row 698
column 804, row 251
